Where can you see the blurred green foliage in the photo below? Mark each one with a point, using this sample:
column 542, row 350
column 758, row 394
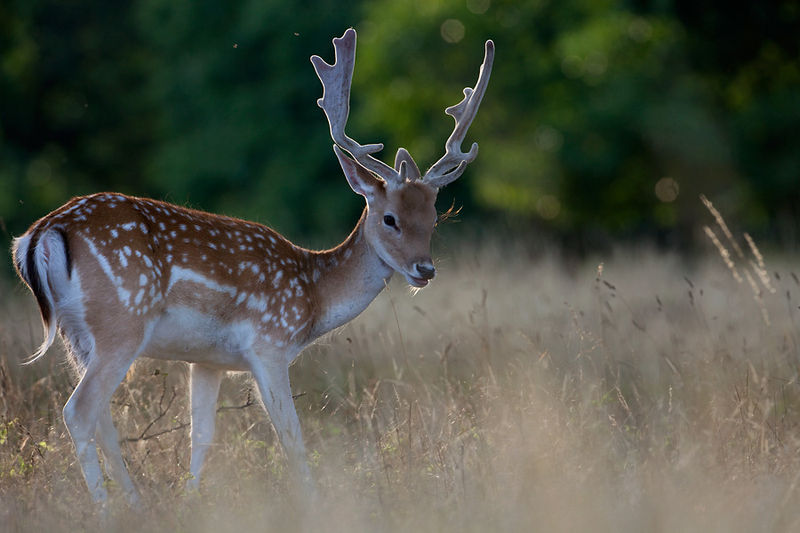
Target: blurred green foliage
column 603, row 117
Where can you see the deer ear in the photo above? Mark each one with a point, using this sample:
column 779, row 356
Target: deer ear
column 412, row 170
column 360, row 179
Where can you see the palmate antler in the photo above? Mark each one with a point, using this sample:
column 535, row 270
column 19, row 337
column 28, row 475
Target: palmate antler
column 336, row 80
column 454, row 161
column 335, row 102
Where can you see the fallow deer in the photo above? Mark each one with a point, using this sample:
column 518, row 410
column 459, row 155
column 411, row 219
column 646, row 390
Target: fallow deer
column 119, row 277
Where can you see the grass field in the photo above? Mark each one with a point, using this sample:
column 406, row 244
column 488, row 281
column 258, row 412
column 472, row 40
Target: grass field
column 646, row 393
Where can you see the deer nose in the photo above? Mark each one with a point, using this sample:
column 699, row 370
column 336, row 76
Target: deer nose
column 425, row 270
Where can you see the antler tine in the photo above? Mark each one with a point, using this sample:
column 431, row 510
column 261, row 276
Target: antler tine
column 335, row 102
column 452, row 164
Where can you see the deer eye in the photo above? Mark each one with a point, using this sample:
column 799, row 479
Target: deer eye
column 389, row 221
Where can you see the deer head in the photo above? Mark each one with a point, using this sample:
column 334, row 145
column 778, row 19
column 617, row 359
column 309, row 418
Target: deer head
column 401, row 212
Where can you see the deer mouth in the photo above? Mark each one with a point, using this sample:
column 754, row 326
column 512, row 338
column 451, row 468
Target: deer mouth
column 416, row 282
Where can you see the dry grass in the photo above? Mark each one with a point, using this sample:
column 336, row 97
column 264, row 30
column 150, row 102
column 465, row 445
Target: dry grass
column 511, row 395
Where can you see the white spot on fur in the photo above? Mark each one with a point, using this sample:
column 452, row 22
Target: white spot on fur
column 178, row 274
column 257, row 304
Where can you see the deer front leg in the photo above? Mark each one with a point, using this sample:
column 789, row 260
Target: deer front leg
column 276, row 394
column 205, row 383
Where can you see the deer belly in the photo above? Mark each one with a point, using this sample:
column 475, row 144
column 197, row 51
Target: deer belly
column 185, row 334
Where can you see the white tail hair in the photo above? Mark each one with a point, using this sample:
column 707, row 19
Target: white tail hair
column 42, row 260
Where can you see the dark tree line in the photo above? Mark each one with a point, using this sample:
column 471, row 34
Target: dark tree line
column 607, row 117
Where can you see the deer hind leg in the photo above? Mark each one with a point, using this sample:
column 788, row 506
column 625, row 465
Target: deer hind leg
column 204, row 383
column 88, row 419
column 276, row 394
column 108, row 440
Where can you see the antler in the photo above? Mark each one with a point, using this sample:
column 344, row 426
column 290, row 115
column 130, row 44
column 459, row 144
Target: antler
column 452, row 164
column 335, row 102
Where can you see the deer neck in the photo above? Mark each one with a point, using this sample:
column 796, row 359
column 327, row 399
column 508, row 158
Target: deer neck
column 349, row 277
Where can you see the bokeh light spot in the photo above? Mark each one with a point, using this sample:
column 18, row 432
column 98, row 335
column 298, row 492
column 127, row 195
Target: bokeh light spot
column 452, row 30
column 548, row 207
column 667, row 190
column 479, row 7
